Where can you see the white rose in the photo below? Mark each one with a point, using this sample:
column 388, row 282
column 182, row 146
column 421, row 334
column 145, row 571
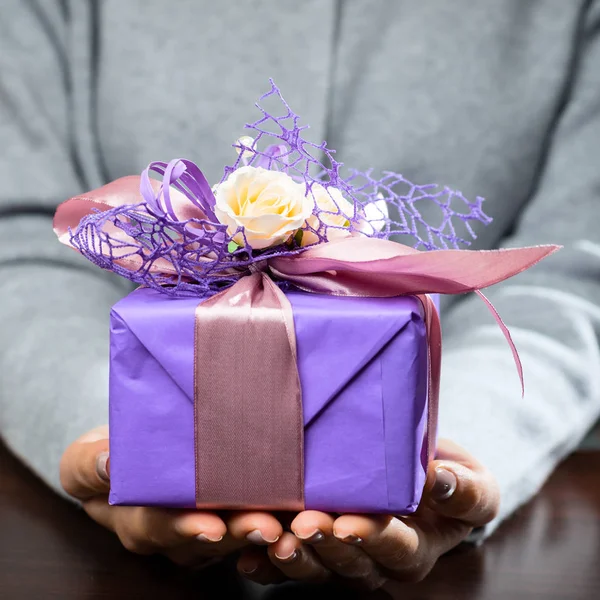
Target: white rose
column 333, row 223
column 269, row 205
column 374, row 216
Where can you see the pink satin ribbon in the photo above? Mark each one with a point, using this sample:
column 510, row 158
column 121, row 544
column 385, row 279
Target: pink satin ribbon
column 249, row 430
column 249, row 425
column 434, row 367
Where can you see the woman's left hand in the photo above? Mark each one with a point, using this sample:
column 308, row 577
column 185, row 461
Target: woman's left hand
column 460, row 494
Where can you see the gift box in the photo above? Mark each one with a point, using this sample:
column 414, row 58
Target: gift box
column 283, row 352
column 362, row 364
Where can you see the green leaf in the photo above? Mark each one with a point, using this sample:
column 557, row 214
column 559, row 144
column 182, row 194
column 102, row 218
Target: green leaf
column 298, row 237
column 232, row 246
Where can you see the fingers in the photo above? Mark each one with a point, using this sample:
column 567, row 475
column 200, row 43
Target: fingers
column 460, row 487
column 254, row 564
column 84, row 466
column 199, row 553
column 316, row 529
column 259, row 528
column 297, row 561
column 312, row 526
column 188, row 538
column 285, row 559
column 146, row 530
column 237, row 530
column 312, row 554
column 407, row 548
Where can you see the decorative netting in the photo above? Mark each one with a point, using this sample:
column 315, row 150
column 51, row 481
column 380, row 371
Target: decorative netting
column 156, row 243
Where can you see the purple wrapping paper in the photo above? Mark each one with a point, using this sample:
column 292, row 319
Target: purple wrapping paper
column 363, row 371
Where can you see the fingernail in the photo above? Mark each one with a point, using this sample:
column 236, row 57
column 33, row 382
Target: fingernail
column 444, row 485
column 205, row 538
column 102, row 466
column 249, row 569
column 288, row 558
column 313, row 538
column 349, row 539
column 256, row 537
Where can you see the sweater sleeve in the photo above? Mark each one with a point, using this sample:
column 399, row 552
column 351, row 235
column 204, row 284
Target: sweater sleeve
column 553, row 312
column 53, row 338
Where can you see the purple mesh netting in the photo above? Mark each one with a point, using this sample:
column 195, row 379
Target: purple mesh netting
column 202, row 254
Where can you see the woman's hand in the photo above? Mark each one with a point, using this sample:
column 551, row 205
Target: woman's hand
column 188, row 537
column 372, row 551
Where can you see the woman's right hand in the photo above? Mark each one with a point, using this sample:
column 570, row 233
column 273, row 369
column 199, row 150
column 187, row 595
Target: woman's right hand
column 188, row 537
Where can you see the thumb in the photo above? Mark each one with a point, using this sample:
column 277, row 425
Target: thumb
column 460, row 487
column 85, row 465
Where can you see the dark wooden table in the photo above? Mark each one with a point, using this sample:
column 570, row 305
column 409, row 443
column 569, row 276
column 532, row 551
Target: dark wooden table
column 550, row 550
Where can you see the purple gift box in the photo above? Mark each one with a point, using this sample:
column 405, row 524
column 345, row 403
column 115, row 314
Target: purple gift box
column 363, row 371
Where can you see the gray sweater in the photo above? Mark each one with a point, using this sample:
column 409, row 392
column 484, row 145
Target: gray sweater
column 499, row 99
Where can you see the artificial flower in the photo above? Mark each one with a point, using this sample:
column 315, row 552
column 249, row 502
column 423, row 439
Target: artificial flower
column 269, row 205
